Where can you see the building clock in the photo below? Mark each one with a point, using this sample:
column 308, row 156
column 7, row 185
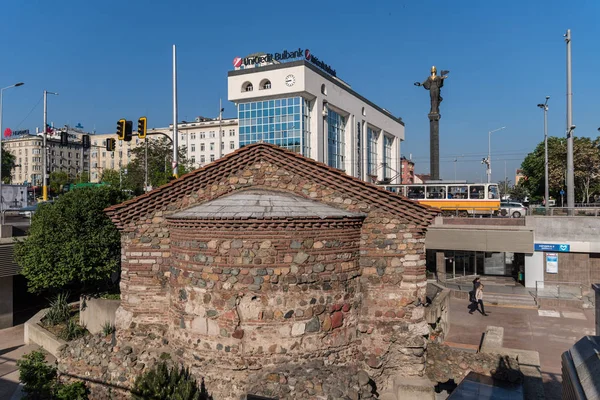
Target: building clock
column 290, row 80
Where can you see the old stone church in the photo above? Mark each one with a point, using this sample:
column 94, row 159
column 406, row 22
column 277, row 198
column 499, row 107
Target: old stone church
column 266, row 258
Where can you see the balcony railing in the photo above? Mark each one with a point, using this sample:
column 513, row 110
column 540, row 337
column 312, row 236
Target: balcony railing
column 558, row 290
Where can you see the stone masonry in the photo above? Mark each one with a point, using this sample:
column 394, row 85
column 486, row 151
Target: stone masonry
column 241, row 292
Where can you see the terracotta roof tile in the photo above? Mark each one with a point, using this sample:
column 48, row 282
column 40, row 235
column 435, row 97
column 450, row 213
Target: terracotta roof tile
column 126, row 212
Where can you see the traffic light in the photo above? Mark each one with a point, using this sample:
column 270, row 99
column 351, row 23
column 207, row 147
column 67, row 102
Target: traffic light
column 128, row 131
column 110, row 144
column 64, row 139
column 121, row 129
column 142, row 128
column 85, row 141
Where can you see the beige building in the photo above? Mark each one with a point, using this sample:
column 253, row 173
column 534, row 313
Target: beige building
column 28, row 157
column 200, row 139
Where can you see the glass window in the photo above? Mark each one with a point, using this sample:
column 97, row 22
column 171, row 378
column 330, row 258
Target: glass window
column 269, row 122
column 212, row 146
column 202, row 159
column 371, row 151
column 201, row 146
column 232, row 145
column 212, row 157
column 493, row 192
column 232, row 132
column 458, row 192
column 193, row 147
column 436, row 192
column 387, row 157
column 415, row 192
column 476, row 192
column 336, row 125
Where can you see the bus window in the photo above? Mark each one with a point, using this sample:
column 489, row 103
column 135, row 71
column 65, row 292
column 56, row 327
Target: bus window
column 416, row 192
column 477, row 192
column 436, row 192
column 458, row 192
column 493, row 192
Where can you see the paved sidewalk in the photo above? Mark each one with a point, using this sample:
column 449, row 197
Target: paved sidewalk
column 12, row 348
column 548, row 332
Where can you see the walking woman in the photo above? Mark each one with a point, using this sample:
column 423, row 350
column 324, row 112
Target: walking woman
column 479, row 298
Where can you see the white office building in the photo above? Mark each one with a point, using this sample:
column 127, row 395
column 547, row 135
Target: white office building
column 303, row 106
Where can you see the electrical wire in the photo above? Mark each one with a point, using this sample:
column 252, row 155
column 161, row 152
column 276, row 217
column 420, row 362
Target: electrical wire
column 29, row 113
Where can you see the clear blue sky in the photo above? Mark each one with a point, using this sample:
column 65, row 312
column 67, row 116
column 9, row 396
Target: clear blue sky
column 112, row 59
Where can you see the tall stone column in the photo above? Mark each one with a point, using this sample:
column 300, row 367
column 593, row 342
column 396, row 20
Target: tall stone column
column 434, row 146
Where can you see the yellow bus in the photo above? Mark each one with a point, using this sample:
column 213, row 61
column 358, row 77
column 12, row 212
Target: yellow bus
column 453, row 198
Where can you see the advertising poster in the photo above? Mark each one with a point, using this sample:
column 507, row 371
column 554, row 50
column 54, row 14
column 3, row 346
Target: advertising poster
column 552, row 263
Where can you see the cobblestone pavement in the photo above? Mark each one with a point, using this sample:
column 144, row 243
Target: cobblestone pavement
column 549, row 332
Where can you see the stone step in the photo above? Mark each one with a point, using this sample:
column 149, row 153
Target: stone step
column 512, row 299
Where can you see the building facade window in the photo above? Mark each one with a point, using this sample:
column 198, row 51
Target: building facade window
column 212, row 146
column 284, row 122
column 201, row 146
column 202, row 135
column 212, row 157
column 371, row 151
column 193, row 160
column 336, row 127
column 202, row 159
column 222, row 145
column 232, row 132
column 193, row 136
column 387, row 157
column 211, row 134
column 193, row 147
column 231, row 145
column 265, row 84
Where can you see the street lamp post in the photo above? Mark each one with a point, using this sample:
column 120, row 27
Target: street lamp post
column 489, row 159
column 546, row 188
column 1, row 133
column 455, row 161
column 44, row 149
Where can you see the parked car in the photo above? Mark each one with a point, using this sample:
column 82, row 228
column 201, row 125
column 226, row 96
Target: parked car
column 515, row 210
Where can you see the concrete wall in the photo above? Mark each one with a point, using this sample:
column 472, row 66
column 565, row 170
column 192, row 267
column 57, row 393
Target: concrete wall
column 6, row 302
column 35, row 333
column 580, row 232
column 95, row 313
column 534, row 269
column 473, row 238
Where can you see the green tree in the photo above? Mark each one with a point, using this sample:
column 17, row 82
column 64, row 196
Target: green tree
column 72, row 244
column 586, row 159
column 518, row 192
column 111, row 177
column 504, row 187
column 83, row 177
column 58, row 179
column 160, row 158
column 8, row 163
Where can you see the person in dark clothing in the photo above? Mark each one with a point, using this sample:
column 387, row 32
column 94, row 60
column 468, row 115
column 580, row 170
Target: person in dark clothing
column 476, row 283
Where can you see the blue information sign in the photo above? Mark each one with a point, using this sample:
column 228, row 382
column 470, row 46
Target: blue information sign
column 563, row 248
column 562, row 192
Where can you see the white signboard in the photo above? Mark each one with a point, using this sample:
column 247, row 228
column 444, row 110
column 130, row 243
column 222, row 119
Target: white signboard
column 552, row 263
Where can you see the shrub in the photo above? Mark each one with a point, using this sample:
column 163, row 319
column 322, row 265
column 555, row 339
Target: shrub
column 72, row 331
column 108, row 328
column 59, row 311
column 38, row 378
column 72, row 391
column 162, row 382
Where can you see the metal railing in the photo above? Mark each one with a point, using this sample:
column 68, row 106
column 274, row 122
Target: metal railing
column 559, row 290
column 565, row 211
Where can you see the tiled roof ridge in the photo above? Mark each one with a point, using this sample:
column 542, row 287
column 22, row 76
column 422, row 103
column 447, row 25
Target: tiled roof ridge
column 412, row 211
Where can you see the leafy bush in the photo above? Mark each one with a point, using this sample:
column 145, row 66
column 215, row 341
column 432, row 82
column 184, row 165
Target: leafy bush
column 162, row 382
column 59, row 311
column 72, row 243
column 72, row 391
column 40, row 380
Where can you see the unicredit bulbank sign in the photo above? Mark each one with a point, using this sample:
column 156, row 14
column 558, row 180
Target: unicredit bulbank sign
column 285, row 55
